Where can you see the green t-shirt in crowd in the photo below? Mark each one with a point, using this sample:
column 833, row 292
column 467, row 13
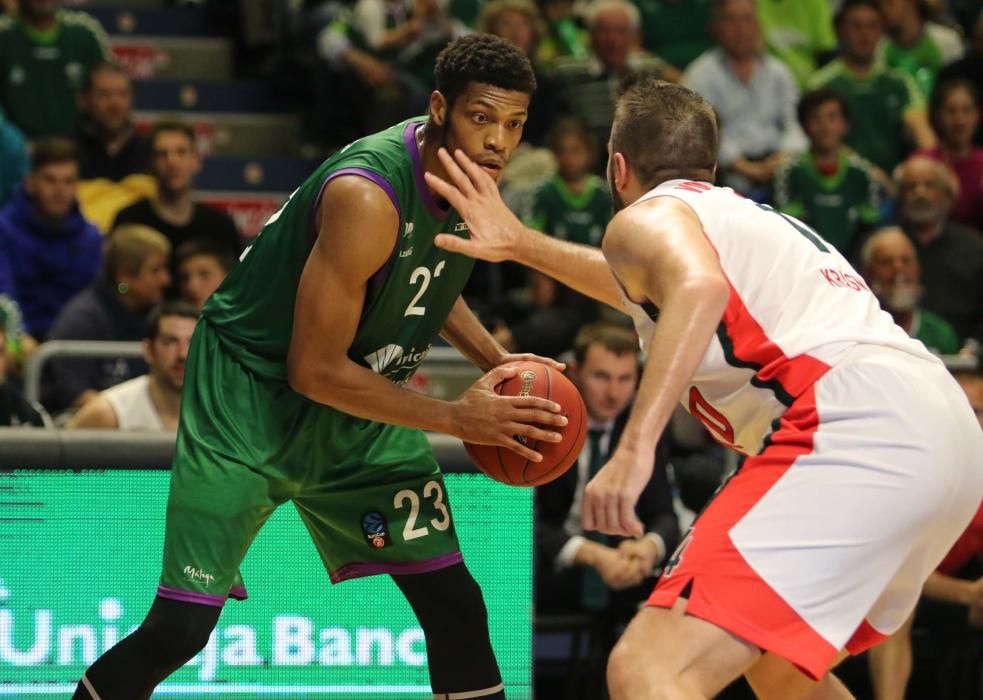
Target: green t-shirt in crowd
column 838, row 206
column 878, row 102
column 41, row 72
column 796, row 32
column 570, row 216
column 936, row 47
column 934, row 332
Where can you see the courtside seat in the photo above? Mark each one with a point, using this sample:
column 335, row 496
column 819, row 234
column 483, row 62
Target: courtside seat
column 233, row 133
column 185, row 57
column 157, row 21
column 166, row 95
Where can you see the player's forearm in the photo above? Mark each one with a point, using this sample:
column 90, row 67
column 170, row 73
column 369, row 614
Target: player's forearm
column 948, row 589
column 464, row 331
column 686, row 325
column 579, row 267
column 360, row 392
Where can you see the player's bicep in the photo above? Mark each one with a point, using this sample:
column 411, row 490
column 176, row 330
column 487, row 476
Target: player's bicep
column 357, row 226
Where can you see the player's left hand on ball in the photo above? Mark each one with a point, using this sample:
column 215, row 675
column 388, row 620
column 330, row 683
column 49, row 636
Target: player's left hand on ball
column 529, row 357
column 610, row 497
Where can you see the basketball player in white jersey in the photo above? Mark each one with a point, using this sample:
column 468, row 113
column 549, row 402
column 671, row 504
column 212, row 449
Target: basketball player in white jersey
column 864, row 459
column 151, row 401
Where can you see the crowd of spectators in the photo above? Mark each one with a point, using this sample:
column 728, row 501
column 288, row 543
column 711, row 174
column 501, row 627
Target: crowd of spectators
column 861, row 118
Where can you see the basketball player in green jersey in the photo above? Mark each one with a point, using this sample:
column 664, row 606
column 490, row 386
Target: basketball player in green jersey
column 293, row 391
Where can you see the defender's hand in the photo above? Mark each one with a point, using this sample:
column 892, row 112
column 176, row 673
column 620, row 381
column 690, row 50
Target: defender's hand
column 610, row 497
column 483, row 417
column 473, row 193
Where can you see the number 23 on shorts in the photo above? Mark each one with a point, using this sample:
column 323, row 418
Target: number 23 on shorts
column 433, row 495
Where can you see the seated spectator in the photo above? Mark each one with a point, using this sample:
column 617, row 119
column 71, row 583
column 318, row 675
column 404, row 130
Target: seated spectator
column 44, row 52
column 677, row 30
column 151, row 401
column 587, row 86
column 573, row 205
column 14, row 160
column 201, row 267
column 886, row 107
column 829, row 186
column 955, row 112
column 969, row 68
column 48, row 251
column 115, row 307
column 914, row 44
column 798, row 33
column 519, row 22
column 109, row 146
column 173, row 211
column 951, row 255
column 889, row 264
column 580, row 571
column 956, row 586
column 15, row 410
column 754, row 95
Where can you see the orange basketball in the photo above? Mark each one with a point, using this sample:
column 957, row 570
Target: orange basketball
column 502, row 464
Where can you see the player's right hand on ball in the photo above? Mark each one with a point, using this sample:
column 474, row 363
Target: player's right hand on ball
column 482, row 417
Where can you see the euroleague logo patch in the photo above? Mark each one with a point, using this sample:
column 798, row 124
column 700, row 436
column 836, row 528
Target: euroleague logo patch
column 376, row 529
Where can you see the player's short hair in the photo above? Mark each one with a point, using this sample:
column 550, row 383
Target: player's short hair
column 128, row 246
column 173, row 307
column 850, row 5
column 664, row 130
column 814, row 99
column 202, row 246
column 942, row 92
column 482, row 58
column 100, row 66
column 610, row 336
column 168, row 126
column 53, row 150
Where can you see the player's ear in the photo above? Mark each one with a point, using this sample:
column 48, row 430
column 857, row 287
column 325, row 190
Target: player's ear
column 438, row 108
column 621, row 174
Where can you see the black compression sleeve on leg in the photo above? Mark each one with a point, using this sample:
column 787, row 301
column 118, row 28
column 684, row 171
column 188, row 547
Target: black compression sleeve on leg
column 451, row 610
column 172, row 633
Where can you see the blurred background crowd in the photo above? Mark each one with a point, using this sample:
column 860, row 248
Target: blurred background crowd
column 143, row 143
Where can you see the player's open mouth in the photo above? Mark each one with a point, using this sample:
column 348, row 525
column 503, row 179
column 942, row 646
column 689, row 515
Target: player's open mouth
column 491, row 168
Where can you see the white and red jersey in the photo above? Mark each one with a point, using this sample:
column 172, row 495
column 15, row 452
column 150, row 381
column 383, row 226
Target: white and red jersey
column 796, row 308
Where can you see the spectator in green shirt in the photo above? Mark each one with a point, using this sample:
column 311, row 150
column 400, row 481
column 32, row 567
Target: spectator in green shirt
column 886, row 107
column 573, row 205
column 44, row 54
column 829, row 186
column 916, row 45
column 798, row 33
column 889, row 264
column 677, row 30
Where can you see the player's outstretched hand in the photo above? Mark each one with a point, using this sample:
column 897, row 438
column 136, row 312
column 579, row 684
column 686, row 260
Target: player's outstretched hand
column 473, row 193
column 610, row 497
column 529, row 357
column 483, row 417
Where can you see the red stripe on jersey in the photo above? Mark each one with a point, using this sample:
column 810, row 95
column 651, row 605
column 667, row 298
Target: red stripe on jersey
column 752, row 346
column 864, row 638
column 723, row 588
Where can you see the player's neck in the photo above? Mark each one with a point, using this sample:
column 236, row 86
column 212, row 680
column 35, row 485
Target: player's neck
column 166, row 400
column 428, row 142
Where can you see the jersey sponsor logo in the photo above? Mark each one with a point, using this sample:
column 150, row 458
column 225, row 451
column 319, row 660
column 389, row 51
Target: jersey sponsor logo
column 406, row 253
column 376, row 529
column 192, row 573
column 395, row 358
column 408, row 229
column 843, row 279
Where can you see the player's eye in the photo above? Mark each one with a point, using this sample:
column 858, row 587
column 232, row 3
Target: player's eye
column 516, row 124
column 480, row 118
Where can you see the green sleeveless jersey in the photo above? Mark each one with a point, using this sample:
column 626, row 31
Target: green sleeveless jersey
column 407, row 301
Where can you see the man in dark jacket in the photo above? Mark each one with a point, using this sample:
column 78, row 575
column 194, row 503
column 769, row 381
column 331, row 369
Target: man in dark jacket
column 585, row 571
column 48, row 250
